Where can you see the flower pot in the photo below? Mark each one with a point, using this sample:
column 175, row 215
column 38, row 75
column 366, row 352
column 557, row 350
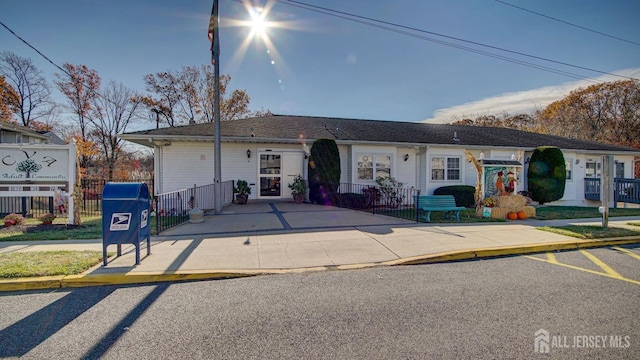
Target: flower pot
column 298, row 198
column 241, row 198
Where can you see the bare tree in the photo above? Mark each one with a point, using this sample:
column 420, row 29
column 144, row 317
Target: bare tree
column 34, row 96
column 111, row 114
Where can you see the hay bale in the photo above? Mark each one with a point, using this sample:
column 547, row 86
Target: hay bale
column 530, row 211
column 501, row 212
column 511, row 201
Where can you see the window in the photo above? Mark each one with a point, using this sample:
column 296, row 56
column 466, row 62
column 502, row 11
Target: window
column 568, row 163
column 619, row 170
column 445, row 168
column 372, row 166
column 592, row 168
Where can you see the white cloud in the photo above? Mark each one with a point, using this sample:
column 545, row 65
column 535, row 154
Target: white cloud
column 518, row 102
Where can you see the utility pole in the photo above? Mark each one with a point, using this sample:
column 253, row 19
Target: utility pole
column 606, row 188
column 214, row 37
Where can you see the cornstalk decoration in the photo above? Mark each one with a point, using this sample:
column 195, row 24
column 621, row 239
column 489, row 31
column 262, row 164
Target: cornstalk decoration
column 478, row 194
column 77, row 195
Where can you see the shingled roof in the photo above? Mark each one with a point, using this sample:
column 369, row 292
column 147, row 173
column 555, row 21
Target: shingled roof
column 293, row 129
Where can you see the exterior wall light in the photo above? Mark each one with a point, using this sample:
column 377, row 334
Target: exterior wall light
column 248, row 153
column 406, row 157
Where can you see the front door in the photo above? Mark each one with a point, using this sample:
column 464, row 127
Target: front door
column 269, row 176
column 277, row 170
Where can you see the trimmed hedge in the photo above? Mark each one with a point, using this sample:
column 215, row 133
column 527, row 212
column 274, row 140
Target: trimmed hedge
column 464, row 194
column 547, row 174
column 324, row 172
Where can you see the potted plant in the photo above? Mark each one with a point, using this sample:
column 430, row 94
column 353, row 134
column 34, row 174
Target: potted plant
column 242, row 191
column 298, row 189
column 47, row 218
column 13, row 219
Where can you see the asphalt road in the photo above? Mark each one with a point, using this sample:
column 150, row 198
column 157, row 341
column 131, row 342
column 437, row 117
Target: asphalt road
column 493, row 308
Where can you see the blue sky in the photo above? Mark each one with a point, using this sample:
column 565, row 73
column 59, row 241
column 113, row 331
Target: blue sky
column 326, row 66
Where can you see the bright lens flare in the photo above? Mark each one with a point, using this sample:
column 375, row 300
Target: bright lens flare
column 258, row 24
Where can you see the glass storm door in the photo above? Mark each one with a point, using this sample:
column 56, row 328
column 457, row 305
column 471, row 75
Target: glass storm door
column 270, row 174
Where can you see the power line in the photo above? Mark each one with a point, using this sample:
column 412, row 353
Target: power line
column 64, row 71
column 34, row 49
column 369, row 21
column 568, row 23
column 458, row 46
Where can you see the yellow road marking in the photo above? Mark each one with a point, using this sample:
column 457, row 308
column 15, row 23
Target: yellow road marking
column 601, row 264
column 630, row 253
column 585, row 270
column 552, row 258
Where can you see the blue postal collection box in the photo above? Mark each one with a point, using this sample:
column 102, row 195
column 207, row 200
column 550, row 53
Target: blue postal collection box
column 125, row 217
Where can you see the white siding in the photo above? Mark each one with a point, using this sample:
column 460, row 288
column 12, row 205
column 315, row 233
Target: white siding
column 345, row 163
column 406, row 170
column 185, row 164
column 570, row 185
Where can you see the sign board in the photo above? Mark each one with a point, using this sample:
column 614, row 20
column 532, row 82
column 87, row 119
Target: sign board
column 34, row 164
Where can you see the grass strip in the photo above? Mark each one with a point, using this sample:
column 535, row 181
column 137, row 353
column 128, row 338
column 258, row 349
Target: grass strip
column 590, row 231
column 47, row 263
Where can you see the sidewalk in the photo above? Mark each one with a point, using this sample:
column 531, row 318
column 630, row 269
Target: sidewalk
column 267, row 238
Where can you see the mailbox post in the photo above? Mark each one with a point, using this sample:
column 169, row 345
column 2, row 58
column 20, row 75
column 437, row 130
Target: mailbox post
column 125, row 217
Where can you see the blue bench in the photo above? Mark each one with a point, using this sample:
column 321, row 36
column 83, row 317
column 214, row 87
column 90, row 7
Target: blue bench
column 429, row 203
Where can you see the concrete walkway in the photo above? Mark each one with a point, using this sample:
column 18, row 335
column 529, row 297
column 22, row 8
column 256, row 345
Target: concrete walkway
column 261, row 237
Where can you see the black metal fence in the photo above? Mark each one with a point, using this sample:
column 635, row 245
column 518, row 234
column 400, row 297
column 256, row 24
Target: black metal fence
column 172, row 208
column 34, row 206
column 92, row 194
column 386, row 200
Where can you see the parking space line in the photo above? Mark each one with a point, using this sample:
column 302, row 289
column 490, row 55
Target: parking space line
column 585, row 270
column 630, row 253
column 552, row 258
column 606, row 268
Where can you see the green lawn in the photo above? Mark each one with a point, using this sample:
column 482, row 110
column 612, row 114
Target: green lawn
column 590, row 231
column 91, row 228
column 47, row 263
column 579, row 212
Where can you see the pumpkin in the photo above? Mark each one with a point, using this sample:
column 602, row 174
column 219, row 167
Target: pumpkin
column 512, row 216
column 522, row 215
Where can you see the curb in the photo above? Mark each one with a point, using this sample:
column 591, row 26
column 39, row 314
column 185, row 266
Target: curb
column 86, row 280
column 512, row 250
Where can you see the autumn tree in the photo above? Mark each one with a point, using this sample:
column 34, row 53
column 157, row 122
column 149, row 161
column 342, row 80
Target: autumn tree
column 111, row 114
column 232, row 107
column 8, row 100
column 166, row 96
column 526, row 122
column 34, row 97
column 188, row 95
column 80, row 85
column 607, row 112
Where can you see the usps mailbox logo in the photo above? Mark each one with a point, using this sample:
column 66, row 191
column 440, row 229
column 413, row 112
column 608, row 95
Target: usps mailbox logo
column 144, row 218
column 120, row 221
